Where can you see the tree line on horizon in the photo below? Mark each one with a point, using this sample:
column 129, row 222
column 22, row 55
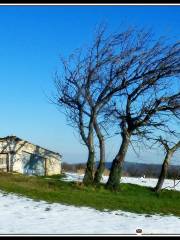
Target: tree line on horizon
column 125, row 83
column 129, row 169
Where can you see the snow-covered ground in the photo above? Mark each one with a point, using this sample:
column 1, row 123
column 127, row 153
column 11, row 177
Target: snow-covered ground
column 149, row 182
column 20, row 215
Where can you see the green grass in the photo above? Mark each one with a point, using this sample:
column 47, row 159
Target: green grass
column 131, row 197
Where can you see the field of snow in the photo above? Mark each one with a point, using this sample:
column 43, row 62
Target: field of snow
column 149, row 182
column 21, row 215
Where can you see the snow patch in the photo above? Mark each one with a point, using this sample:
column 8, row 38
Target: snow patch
column 148, row 182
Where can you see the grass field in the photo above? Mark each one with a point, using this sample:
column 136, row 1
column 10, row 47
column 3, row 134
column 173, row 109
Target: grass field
column 131, row 197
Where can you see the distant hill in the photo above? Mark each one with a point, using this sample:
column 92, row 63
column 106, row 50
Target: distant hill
column 132, row 169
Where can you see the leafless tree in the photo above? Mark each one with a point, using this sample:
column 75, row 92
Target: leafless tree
column 72, row 101
column 126, row 77
column 176, row 176
column 169, row 150
column 89, row 81
column 149, row 102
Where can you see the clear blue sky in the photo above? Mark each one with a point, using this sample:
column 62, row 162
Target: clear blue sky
column 31, row 40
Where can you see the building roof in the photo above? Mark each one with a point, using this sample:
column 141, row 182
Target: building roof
column 12, row 137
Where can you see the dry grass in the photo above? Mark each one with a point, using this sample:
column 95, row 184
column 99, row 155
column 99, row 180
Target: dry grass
column 80, row 171
column 106, row 172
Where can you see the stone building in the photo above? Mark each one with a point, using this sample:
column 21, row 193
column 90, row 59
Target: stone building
column 17, row 155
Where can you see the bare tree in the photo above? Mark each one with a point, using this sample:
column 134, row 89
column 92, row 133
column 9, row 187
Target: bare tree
column 89, row 81
column 125, row 77
column 71, row 98
column 169, row 153
column 150, row 101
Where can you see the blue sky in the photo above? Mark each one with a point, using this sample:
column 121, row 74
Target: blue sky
column 31, row 40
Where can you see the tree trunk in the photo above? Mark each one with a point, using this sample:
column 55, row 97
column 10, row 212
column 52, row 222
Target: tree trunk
column 45, row 167
column 7, row 163
column 163, row 173
column 116, row 168
column 12, row 155
column 88, row 176
column 164, row 169
column 101, row 165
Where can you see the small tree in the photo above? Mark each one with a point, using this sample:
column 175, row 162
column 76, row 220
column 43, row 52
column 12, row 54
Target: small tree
column 169, row 153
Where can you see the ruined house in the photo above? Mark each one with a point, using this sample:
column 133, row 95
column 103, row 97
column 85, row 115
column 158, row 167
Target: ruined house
column 17, row 155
